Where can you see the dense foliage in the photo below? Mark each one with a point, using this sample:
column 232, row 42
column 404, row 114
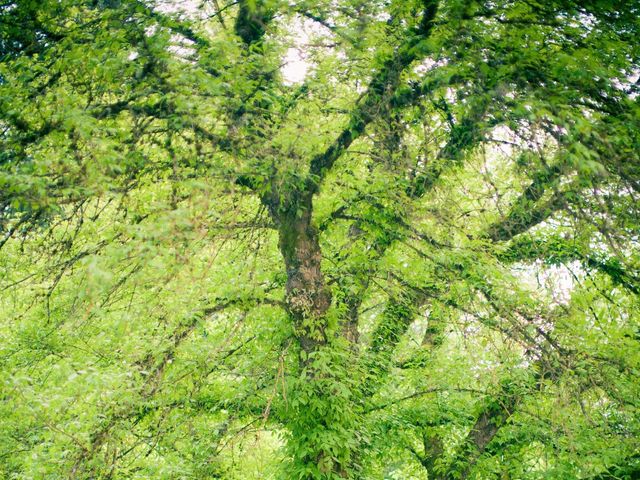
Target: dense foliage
column 420, row 259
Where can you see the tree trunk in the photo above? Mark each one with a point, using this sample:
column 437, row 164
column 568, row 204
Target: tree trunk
column 307, row 297
column 320, row 413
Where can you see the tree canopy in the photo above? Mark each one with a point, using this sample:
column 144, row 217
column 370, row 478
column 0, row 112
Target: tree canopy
column 416, row 258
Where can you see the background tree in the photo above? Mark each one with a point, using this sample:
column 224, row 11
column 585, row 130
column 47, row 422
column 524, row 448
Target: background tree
column 420, row 261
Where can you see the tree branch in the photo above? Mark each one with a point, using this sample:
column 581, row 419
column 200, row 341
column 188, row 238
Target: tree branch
column 381, row 89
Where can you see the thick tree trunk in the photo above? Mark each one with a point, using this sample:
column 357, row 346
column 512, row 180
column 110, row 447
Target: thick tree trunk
column 319, row 416
column 307, row 297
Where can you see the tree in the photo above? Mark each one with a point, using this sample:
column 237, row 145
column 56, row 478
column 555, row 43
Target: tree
column 202, row 257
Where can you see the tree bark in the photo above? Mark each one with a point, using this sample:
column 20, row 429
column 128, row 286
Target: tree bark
column 307, row 297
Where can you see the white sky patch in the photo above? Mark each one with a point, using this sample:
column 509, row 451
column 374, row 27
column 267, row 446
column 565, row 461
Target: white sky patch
column 382, row 16
column 628, row 83
column 427, row 65
column 556, row 282
column 296, row 64
column 295, row 67
column 182, row 47
column 503, row 143
column 181, row 7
